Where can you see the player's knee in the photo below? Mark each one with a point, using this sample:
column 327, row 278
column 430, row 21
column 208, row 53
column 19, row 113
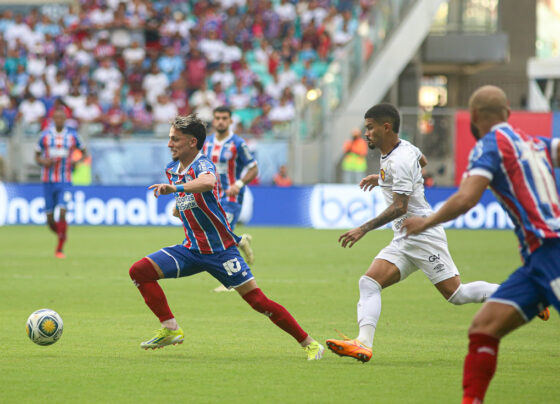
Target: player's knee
column 142, row 271
column 458, row 298
column 369, row 285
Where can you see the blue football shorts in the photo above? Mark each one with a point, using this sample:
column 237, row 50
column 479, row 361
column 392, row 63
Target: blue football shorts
column 54, row 195
column 536, row 284
column 227, row 266
column 233, row 211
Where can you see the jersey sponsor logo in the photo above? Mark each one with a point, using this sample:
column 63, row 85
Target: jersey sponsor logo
column 221, row 167
column 382, row 174
column 186, row 202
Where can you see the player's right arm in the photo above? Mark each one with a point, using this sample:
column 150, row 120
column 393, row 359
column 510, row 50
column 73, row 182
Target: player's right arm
column 203, row 183
column 42, row 161
column 393, row 211
column 423, row 161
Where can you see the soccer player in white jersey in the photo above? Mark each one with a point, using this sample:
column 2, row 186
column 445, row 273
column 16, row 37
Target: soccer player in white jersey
column 400, row 178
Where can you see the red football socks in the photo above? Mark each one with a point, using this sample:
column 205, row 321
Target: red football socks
column 277, row 313
column 61, row 227
column 480, row 365
column 145, row 278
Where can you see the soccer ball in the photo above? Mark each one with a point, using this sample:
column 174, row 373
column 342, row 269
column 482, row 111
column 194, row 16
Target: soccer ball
column 44, row 327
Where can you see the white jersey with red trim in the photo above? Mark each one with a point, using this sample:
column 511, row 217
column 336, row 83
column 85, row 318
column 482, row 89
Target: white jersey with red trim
column 401, row 173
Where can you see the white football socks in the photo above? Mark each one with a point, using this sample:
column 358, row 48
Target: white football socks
column 474, row 292
column 369, row 309
column 171, row 324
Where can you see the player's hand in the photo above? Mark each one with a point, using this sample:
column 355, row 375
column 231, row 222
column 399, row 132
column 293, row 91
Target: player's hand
column 47, row 162
column 351, row 237
column 162, row 189
column 233, row 190
column 414, row 225
column 176, row 212
column 369, row 182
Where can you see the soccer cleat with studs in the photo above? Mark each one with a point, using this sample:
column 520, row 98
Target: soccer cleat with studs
column 314, row 351
column 350, row 347
column 164, row 336
column 544, row 315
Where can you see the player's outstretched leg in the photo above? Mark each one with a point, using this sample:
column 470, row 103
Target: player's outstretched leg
column 369, row 310
column 473, row 292
column 281, row 317
column 145, row 278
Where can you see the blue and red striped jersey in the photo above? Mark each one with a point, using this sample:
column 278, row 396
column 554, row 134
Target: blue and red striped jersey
column 206, row 228
column 58, row 146
column 231, row 156
column 521, row 171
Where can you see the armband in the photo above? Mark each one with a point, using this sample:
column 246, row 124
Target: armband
column 180, row 188
column 239, row 184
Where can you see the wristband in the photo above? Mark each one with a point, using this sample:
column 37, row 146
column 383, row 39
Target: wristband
column 180, row 188
column 239, row 184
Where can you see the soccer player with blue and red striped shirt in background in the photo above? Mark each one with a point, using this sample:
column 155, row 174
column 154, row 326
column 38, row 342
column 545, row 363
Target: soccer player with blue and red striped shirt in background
column 210, row 244
column 520, row 171
column 54, row 153
column 232, row 158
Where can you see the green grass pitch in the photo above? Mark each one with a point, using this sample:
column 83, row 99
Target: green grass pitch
column 233, row 354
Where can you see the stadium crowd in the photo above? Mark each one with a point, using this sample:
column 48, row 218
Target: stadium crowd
column 129, row 66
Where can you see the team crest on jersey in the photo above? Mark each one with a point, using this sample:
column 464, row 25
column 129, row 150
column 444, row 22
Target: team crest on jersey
column 382, row 174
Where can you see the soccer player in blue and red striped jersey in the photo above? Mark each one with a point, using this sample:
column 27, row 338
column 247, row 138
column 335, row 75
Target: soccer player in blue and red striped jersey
column 54, row 153
column 520, row 171
column 232, row 158
column 210, row 244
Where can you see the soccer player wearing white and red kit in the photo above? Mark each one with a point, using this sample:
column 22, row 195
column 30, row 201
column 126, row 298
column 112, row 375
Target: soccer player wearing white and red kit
column 210, row 244
column 53, row 152
column 232, row 157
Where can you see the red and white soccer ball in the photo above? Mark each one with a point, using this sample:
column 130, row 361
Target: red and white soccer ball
column 44, row 327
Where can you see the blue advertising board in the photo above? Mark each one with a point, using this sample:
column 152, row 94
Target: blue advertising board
column 322, row 206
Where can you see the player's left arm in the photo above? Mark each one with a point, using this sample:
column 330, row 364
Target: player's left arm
column 203, row 183
column 423, row 161
column 467, row 196
column 555, row 152
column 393, row 211
column 245, row 159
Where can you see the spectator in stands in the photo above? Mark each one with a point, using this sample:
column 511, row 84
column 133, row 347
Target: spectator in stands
column 224, row 75
column 213, row 48
column 262, row 124
column 164, row 110
column 90, row 112
column 281, row 179
column 60, row 87
column 134, row 54
column 221, row 96
column 354, row 163
column 204, row 101
column 195, row 70
column 171, row 64
column 155, row 83
column 31, row 110
column 75, row 99
column 37, row 87
column 284, row 112
column 114, row 118
column 240, row 97
column 10, row 112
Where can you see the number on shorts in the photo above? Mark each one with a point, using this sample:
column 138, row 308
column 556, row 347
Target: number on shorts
column 232, row 266
column 555, row 285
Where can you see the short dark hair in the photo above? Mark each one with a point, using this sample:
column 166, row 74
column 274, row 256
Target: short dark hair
column 385, row 112
column 222, row 108
column 191, row 125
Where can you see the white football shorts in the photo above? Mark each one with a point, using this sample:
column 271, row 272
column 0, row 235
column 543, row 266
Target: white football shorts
column 427, row 251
